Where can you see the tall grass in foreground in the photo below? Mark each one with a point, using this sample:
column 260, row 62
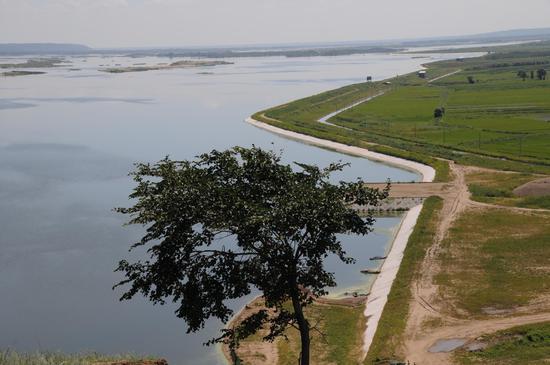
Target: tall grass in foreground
column 10, row 357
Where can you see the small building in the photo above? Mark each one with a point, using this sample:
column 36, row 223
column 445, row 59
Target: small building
column 421, row 74
column 387, row 83
column 369, row 78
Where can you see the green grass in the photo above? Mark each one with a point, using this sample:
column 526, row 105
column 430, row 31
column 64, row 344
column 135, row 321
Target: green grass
column 499, row 118
column 526, row 345
column 9, row 357
column 498, row 188
column 341, row 344
column 391, row 327
column 540, row 202
column 499, row 122
column 494, row 259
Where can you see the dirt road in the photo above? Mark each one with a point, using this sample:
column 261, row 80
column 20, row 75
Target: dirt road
column 424, row 308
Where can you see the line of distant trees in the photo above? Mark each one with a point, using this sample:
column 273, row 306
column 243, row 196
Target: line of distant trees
column 540, row 74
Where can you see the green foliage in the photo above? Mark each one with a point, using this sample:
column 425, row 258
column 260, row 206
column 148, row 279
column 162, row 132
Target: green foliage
column 522, row 74
column 394, row 318
column 237, row 219
column 521, row 345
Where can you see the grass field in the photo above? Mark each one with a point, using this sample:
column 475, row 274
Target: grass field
column 497, row 188
column 500, row 121
column 500, row 115
column 494, row 260
column 526, row 345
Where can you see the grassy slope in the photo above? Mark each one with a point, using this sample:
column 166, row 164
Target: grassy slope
column 394, row 318
column 527, row 345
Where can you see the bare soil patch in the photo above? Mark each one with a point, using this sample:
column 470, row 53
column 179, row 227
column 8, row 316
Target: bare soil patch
column 539, row 187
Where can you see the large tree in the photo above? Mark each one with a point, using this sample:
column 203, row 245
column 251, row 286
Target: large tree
column 235, row 220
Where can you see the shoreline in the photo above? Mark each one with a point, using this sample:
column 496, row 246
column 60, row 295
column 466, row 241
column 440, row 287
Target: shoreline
column 381, row 287
column 427, row 172
column 224, row 349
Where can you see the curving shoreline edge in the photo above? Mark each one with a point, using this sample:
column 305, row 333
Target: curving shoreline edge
column 427, row 172
column 381, row 286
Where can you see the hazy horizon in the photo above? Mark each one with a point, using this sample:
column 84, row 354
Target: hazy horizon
column 193, row 23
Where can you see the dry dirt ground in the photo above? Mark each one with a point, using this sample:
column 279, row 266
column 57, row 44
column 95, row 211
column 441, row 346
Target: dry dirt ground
column 424, row 307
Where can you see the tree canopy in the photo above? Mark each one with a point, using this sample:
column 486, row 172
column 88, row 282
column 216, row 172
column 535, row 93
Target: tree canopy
column 230, row 221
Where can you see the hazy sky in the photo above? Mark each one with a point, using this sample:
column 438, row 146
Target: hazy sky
column 127, row 23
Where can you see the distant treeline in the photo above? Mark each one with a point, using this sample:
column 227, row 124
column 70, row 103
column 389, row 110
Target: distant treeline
column 336, row 51
column 42, row 48
column 507, row 64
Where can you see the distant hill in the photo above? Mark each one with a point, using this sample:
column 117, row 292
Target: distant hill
column 516, row 34
column 288, row 50
column 42, row 48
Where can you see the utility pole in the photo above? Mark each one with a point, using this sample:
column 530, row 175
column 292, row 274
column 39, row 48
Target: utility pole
column 479, row 141
column 520, row 146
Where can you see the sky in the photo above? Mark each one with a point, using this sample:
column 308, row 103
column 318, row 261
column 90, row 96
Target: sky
column 180, row 23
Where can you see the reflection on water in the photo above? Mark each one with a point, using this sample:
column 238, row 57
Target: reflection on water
column 68, row 140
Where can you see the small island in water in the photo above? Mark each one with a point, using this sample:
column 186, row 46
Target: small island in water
column 21, row 73
column 178, row 64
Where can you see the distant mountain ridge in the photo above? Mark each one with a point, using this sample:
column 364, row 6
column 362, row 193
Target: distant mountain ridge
column 517, row 33
column 42, row 48
column 289, row 50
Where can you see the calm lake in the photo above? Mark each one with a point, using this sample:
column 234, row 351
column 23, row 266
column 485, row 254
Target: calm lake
column 68, row 140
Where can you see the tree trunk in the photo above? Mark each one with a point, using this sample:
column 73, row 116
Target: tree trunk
column 303, row 325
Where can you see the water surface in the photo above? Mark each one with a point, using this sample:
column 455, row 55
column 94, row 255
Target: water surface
column 68, row 140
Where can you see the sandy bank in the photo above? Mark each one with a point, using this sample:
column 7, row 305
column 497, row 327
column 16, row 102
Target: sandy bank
column 427, row 172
